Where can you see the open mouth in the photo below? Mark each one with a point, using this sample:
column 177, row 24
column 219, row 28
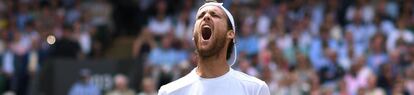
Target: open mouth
column 206, row 33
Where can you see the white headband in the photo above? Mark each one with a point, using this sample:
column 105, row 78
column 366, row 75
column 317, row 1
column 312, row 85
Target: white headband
column 230, row 17
column 224, row 9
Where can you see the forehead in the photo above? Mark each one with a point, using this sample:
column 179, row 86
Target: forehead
column 212, row 8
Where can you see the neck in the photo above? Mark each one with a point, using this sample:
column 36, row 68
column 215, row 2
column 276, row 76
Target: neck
column 212, row 67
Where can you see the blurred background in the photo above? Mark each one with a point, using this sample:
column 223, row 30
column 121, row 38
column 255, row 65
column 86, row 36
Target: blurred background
column 132, row 47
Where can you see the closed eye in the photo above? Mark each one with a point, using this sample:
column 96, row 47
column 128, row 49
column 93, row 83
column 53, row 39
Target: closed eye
column 214, row 14
column 201, row 15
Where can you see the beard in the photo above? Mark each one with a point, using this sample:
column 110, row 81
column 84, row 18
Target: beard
column 216, row 45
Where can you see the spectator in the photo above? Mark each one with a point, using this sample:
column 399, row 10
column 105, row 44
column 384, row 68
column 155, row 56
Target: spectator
column 332, row 71
column 266, row 76
column 184, row 28
column 398, row 88
column 283, row 39
column 23, row 15
column 169, row 58
column 143, row 44
column 357, row 76
column 372, row 88
column 335, row 30
column 84, row 86
column 361, row 31
column 401, row 32
column 245, row 67
column 289, row 85
column 164, row 58
column 386, row 78
column 100, row 12
column 342, row 88
column 262, row 21
column 299, row 41
column 83, row 37
column 3, row 36
column 395, row 62
column 364, row 7
column 66, row 46
column 148, row 87
column 383, row 19
column 7, row 67
column 20, row 43
column 160, row 24
column 35, row 60
column 316, row 52
column 248, row 41
column 316, row 10
column 121, row 86
column 376, row 53
column 304, row 71
column 347, row 50
column 409, row 81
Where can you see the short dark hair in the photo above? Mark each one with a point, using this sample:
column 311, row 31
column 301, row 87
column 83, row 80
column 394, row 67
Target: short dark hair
column 231, row 43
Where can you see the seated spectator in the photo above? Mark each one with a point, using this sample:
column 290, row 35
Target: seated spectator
column 409, row 80
column 372, row 88
column 348, row 50
column 361, row 32
column 160, row 24
column 332, row 71
column 401, row 32
column 164, row 55
column 121, row 86
column 342, row 88
column 304, row 69
column 376, row 53
column 245, row 67
column 266, row 76
column 84, row 86
column 357, row 76
column 386, row 78
column 363, row 6
column 398, row 88
column 247, row 41
column 316, row 54
column 148, row 87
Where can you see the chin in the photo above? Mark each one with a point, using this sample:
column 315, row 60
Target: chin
column 206, row 49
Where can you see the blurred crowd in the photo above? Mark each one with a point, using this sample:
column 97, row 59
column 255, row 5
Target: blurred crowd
column 34, row 31
column 298, row 47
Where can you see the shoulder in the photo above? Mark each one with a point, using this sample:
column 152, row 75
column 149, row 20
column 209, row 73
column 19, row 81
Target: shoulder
column 257, row 86
column 247, row 79
column 177, row 85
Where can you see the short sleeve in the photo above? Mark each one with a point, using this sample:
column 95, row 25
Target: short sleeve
column 264, row 90
column 161, row 91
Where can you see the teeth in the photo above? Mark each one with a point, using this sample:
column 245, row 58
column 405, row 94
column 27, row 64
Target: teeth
column 206, row 26
column 206, row 32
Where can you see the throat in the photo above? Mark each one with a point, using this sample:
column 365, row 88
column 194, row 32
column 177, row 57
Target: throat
column 212, row 68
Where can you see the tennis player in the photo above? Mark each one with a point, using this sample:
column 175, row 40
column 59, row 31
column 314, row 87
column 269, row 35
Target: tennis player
column 214, row 38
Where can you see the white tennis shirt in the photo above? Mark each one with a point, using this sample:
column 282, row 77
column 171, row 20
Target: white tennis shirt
column 231, row 83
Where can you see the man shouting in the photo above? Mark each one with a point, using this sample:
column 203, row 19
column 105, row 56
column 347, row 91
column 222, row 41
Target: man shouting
column 214, row 38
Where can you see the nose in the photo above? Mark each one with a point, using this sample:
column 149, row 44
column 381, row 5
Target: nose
column 207, row 17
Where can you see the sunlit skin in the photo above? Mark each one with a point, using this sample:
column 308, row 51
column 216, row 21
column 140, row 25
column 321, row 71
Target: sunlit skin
column 211, row 50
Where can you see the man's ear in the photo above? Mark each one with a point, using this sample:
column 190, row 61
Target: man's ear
column 230, row 34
